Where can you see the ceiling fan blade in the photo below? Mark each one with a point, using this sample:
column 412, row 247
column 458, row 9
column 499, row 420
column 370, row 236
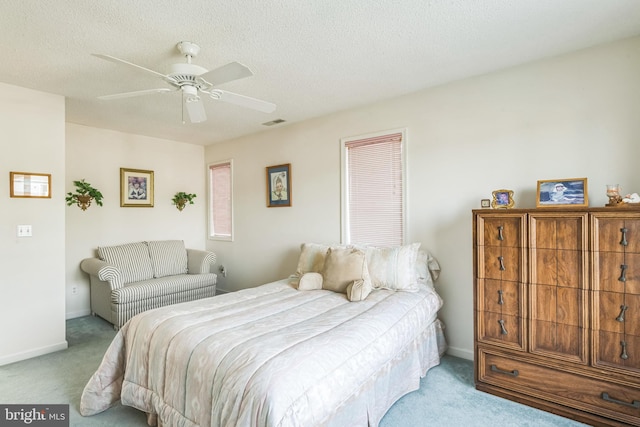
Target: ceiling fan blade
column 122, row 61
column 226, row 73
column 135, row 93
column 243, row 101
column 195, row 109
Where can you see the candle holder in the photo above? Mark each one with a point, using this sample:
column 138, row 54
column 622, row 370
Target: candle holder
column 613, row 193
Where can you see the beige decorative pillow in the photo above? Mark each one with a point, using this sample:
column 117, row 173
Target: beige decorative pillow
column 311, row 260
column 358, row 290
column 393, row 268
column 310, row 282
column 343, row 266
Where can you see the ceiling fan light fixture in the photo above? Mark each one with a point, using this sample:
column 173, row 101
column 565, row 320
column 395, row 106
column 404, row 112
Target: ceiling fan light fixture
column 190, row 93
column 195, row 110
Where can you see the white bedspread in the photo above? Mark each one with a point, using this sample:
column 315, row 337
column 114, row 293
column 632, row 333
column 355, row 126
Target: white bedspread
column 266, row 356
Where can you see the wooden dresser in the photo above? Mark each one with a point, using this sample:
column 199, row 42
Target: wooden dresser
column 557, row 310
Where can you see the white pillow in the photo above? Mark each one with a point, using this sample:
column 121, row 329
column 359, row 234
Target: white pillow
column 310, row 282
column 427, row 268
column 393, row 268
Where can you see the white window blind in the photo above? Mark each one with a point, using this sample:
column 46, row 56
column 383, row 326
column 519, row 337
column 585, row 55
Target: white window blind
column 220, row 209
column 374, row 190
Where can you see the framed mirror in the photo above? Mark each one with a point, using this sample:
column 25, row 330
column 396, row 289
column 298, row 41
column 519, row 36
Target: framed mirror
column 28, row 184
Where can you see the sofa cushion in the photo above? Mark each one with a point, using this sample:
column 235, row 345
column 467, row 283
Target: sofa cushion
column 164, row 286
column 168, row 257
column 132, row 259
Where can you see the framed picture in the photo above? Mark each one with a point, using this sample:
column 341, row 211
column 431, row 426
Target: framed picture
column 562, row 192
column 27, row 184
column 485, row 203
column 136, row 188
column 502, row 199
column 279, row 185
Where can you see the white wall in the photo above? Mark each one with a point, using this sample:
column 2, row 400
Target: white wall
column 97, row 155
column 32, row 284
column 566, row 117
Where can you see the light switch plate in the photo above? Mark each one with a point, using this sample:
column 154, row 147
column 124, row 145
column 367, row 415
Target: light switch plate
column 24, row 231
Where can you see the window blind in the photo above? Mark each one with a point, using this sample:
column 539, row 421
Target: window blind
column 220, row 185
column 375, row 190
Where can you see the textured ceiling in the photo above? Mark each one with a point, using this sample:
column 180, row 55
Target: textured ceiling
column 310, row 57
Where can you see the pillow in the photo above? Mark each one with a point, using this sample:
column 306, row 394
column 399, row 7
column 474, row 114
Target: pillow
column 311, row 260
column 132, row 259
column 427, row 268
column 168, row 257
column 393, row 268
column 310, row 282
column 342, row 266
column 358, row 290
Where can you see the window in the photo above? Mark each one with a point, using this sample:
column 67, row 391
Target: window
column 220, row 206
column 373, row 189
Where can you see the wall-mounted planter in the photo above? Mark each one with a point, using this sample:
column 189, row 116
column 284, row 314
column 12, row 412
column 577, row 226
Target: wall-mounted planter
column 83, row 195
column 181, row 199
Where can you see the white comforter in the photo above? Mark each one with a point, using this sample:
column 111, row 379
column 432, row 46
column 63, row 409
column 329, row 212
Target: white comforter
column 266, row 356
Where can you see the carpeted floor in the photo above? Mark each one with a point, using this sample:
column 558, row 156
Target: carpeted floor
column 446, row 397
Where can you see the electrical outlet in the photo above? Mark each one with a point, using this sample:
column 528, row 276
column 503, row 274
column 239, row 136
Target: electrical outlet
column 74, row 290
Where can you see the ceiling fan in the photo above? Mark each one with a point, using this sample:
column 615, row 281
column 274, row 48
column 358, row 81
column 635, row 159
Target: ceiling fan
column 194, row 81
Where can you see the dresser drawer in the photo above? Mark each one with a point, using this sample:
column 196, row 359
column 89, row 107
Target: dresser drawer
column 615, row 401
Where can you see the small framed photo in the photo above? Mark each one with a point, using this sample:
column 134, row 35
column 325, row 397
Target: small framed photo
column 503, row 199
column 567, row 192
column 485, row 203
column 279, row 185
column 136, row 188
column 28, row 184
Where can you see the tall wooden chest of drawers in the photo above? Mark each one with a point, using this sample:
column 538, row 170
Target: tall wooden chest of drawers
column 557, row 310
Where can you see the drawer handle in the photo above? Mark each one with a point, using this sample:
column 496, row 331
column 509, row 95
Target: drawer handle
column 500, row 236
column 624, row 242
column 500, row 297
column 634, row 404
column 624, row 355
column 503, row 330
column 501, row 259
column 623, row 273
column 620, row 317
column 513, row 373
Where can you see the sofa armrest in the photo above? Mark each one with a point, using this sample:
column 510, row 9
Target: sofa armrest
column 103, row 271
column 200, row 262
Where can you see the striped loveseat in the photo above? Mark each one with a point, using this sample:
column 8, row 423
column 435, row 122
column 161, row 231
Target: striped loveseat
column 131, row 278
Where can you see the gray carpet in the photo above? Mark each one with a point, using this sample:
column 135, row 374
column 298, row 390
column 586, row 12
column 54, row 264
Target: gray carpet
column 446, row 396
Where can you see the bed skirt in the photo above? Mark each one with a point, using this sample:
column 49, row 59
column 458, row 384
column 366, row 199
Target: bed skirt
column 399, row 377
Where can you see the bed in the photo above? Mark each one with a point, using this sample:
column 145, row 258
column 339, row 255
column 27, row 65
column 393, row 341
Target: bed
column 273, row 355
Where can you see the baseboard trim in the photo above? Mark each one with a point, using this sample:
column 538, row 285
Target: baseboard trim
column 460, row 352
column 17, row 357
column 76, row 314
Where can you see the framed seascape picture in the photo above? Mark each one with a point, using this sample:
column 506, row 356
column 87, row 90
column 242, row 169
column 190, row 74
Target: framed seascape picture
column 279, row 185
column 503, row 199
column 571, row 192
column 136, row 188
